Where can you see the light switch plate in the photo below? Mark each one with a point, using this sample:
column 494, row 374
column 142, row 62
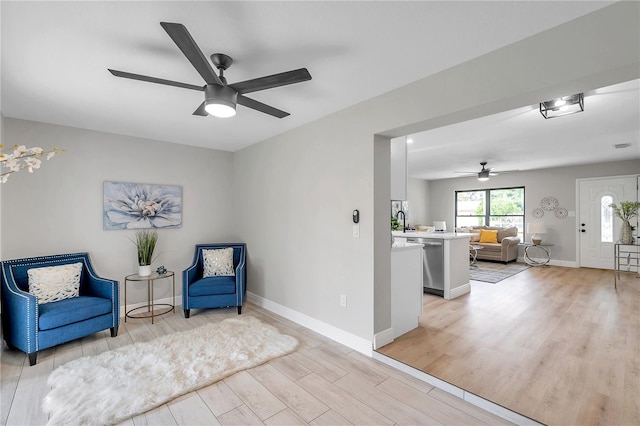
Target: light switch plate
column 356, row 231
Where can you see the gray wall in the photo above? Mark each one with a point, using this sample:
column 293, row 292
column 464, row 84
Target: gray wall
column 557, row 182
column 291, row 197
column 325, row 169
column 58, row 208
column 419, row 202
column 294, row 200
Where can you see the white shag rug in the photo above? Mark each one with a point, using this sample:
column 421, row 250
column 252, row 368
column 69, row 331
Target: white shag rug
column 115, row 385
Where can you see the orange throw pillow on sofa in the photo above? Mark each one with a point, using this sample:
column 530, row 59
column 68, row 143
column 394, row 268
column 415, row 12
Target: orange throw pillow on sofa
column 488, row 236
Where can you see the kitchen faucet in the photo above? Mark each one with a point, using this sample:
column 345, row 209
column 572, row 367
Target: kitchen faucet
column 404, row 220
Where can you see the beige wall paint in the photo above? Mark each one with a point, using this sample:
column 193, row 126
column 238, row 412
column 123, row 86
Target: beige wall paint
column 58, row 208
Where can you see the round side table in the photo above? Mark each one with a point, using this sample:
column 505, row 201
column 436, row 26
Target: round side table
column 473, row 253
column 543, row 250
column 151, row 309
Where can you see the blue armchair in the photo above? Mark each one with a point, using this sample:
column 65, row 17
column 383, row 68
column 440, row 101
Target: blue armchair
column 31, row 326
column 214, row 291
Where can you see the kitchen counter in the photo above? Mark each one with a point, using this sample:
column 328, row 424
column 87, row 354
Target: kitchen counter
column 454, row 264
column 406, row 287
column 439, row 235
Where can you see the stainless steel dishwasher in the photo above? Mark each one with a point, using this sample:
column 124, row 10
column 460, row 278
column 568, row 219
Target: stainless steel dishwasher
column 432, row 264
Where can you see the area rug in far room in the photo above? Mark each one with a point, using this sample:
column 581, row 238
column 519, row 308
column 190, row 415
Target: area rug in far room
column 118, row 384
column 493, row 272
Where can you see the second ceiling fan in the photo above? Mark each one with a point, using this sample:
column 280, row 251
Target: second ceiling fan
column 485, row 173
column 220, row 98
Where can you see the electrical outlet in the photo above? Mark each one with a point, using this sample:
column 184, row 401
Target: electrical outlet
column 343, row 300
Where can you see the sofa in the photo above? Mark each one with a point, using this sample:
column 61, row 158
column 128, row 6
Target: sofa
column 505, row 249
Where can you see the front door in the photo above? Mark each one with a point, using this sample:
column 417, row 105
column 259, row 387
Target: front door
column 598, row 228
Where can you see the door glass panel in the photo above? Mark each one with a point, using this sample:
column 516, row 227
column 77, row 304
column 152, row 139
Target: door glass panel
column 606, row 219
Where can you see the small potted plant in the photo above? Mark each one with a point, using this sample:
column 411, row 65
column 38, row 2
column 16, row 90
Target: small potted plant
column 145, row 242
column 626, row 211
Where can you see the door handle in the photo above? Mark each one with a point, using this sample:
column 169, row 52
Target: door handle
column 582, row 230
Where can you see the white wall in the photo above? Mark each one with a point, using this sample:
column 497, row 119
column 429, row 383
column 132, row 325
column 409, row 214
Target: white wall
column 556, row 182
column 419, row 202
column 58, row 208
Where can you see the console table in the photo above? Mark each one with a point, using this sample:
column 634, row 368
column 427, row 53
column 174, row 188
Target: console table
column 626, row 259
column 152, row 309
column 541, row 249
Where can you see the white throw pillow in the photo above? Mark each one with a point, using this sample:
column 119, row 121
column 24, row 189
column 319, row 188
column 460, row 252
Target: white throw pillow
column 218, row 262
column 53, row 283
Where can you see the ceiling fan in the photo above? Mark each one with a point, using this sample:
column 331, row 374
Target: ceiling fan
column 483, row 174
column 220, row 98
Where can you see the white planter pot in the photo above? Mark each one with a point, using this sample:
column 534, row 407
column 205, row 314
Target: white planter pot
column 144, row 270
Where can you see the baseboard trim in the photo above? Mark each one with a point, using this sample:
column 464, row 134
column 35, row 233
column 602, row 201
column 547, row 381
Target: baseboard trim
column 459, row 291
column 565, row 263
column 479, row 402
column 350, row 340
column 554, row 262
column 383, row 338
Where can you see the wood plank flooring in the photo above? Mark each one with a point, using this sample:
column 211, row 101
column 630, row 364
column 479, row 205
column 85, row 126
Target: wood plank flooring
column 321, row 383
column 559, row 345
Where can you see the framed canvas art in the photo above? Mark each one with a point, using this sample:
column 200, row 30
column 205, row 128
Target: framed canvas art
column 139, row 206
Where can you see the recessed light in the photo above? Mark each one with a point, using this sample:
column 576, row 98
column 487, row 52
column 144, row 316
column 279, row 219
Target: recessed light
column 409, row 140
column 622, row 145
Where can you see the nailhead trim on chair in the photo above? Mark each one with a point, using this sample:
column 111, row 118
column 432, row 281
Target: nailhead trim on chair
column 34, row 261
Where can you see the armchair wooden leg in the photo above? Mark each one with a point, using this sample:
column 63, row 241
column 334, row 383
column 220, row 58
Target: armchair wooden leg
column 32, row 358
column 187, row 313
column 114, row 331
column 239, row 309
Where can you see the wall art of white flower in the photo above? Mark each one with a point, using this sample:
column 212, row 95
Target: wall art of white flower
column 139, row 206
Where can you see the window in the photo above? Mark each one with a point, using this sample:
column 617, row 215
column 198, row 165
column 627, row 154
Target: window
column 493, row 207
column 606, row 219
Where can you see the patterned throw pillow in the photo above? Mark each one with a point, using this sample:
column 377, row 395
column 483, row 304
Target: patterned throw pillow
column 218, row 262
column 53, row 283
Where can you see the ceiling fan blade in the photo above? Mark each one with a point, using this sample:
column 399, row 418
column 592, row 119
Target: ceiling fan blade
column 270, row 81
column 259, row 106
column 190, row 49
column 154, row 80
column 201, row 111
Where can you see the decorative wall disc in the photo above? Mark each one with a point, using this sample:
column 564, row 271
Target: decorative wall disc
column 549, row 203
column 538, row 213
column 561, row 213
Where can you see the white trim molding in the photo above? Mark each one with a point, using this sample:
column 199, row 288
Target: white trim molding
column 383, row 338
column 479, row 402
column 350, row 340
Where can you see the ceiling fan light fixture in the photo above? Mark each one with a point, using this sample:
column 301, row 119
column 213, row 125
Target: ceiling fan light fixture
column 220, row 101
column 483, row 178
column 562, row 106
column 220, row 110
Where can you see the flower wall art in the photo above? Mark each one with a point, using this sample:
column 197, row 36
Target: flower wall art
column 139, row 206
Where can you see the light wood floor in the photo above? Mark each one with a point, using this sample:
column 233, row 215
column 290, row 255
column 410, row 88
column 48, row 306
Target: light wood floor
column 321, row 383
column 559, row 345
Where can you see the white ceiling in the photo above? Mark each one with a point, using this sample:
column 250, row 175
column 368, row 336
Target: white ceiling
column 55, row 57
column 522, row 139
